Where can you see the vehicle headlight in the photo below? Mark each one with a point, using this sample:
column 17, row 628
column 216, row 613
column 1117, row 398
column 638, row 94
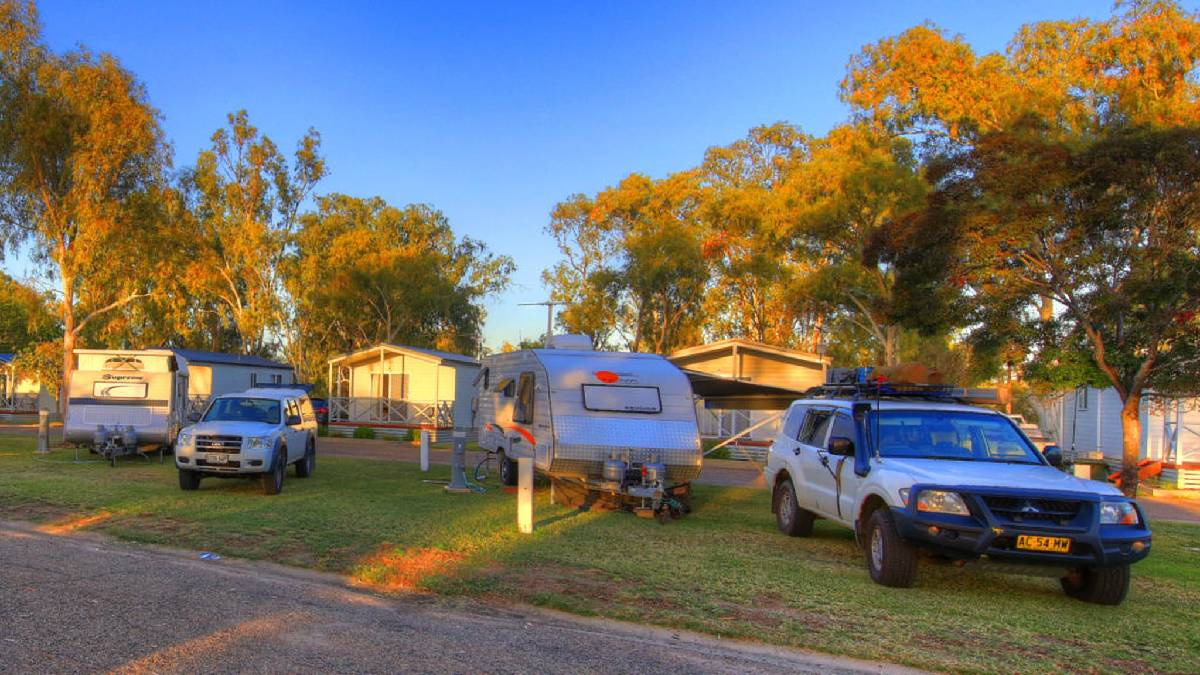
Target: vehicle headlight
column 258, row 442
column 941, row 501
column 184, row 439
column 1118, row 513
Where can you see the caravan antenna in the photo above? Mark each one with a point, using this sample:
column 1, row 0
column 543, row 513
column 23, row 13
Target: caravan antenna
column 549, row 305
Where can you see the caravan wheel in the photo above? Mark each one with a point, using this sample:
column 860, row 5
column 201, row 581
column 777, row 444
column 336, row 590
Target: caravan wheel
column 508, row 470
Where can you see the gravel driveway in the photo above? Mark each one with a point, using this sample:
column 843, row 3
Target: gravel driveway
column 84, row 602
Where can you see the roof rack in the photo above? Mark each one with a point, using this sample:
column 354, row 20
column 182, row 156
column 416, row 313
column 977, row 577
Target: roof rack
column 883, row 389
column 863, row 383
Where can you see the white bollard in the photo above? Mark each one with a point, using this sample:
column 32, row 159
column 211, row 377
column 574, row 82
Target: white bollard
column 424, row 450
column 525, row 495
column 43, row 442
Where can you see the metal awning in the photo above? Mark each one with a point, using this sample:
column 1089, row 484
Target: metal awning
column 730, row 394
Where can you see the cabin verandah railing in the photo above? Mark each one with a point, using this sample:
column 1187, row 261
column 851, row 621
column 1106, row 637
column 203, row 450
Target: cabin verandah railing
column 19, row 403
column 375, row 410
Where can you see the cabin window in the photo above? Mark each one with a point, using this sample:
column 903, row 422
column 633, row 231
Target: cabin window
column 1081, row 398
column 614, row 398
column 265, row 378
column 523, row 409
column 122, row 363
column 393, row 386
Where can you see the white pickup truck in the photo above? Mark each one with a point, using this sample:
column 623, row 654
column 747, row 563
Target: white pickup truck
column 909, row 471
column 256, row 433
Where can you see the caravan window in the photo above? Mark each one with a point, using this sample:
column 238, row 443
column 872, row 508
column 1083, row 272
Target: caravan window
column 523, row 409
column 109, row 389
column 506, row 387
column 617, row 398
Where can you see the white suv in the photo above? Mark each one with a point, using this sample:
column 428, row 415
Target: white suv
column 257, row 432
column 917, row 469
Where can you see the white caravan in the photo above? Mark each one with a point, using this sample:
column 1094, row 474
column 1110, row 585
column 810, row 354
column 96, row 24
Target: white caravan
column 123, row 400
column 597, row 423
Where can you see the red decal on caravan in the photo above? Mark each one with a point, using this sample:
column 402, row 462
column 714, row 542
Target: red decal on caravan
column 607, row 376
column 524, row 434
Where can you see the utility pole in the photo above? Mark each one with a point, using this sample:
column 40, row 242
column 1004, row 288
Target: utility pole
column 549, row 305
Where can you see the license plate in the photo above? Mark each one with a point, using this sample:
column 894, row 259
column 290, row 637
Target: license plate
column 218, row 459
column 1031, row 542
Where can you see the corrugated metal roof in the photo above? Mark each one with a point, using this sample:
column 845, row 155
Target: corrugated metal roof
column 6, row 358
column 420, row 351
column 445, row 356
column 195, row 356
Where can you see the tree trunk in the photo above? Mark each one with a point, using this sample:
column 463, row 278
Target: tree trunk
column 1131, row 446
column 69, row 337
column 891, row 336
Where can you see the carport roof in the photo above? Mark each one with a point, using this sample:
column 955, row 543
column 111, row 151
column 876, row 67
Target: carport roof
column 195, row 356
column 730, row 394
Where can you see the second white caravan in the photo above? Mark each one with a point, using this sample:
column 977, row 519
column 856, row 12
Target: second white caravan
column 615, row 424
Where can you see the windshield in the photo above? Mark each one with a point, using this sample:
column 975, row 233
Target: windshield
column 243, row 410
column 937, row 434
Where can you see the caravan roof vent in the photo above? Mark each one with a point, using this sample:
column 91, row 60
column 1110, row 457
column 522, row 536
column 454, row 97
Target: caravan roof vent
column 570, row 341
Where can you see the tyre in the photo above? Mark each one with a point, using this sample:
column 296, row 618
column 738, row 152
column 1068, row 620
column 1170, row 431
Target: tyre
column 791, row 519
column 1099, row 585
column 189, row 480
column 308, row 463
column 508, row 470
column 890, row 560
column 272, row 481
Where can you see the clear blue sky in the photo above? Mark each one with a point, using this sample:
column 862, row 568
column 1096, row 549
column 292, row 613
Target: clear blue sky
column 495, row 111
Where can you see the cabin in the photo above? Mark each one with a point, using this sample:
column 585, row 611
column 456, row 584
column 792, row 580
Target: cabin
column 21, row 395
column 397, row 390
column 787, row 371
column 1086, row 422
column 214, row 373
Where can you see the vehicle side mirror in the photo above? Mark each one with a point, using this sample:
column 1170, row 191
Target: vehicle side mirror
column 841, row 446
column 1053, row 455
column 193, row 417
column 292, row 420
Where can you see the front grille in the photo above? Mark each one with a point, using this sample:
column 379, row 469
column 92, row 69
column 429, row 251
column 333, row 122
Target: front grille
column 1033, row 510
column 223, row 444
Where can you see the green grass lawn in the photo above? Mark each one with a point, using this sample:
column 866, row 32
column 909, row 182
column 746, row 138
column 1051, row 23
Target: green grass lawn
column 723, row 570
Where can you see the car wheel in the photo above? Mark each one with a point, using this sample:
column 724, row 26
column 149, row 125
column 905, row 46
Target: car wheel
column 508, row 470
column 1099, row 585
column 189, row 480
column 791, row 519
column 890, row 560
column 272, row 481
column 308, row 463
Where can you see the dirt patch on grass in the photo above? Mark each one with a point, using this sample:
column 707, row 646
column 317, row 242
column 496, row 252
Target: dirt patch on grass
column 405, row 569
column 32, row 510
column 771, row 613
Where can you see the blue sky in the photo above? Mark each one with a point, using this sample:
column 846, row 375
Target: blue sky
column 493, row 112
